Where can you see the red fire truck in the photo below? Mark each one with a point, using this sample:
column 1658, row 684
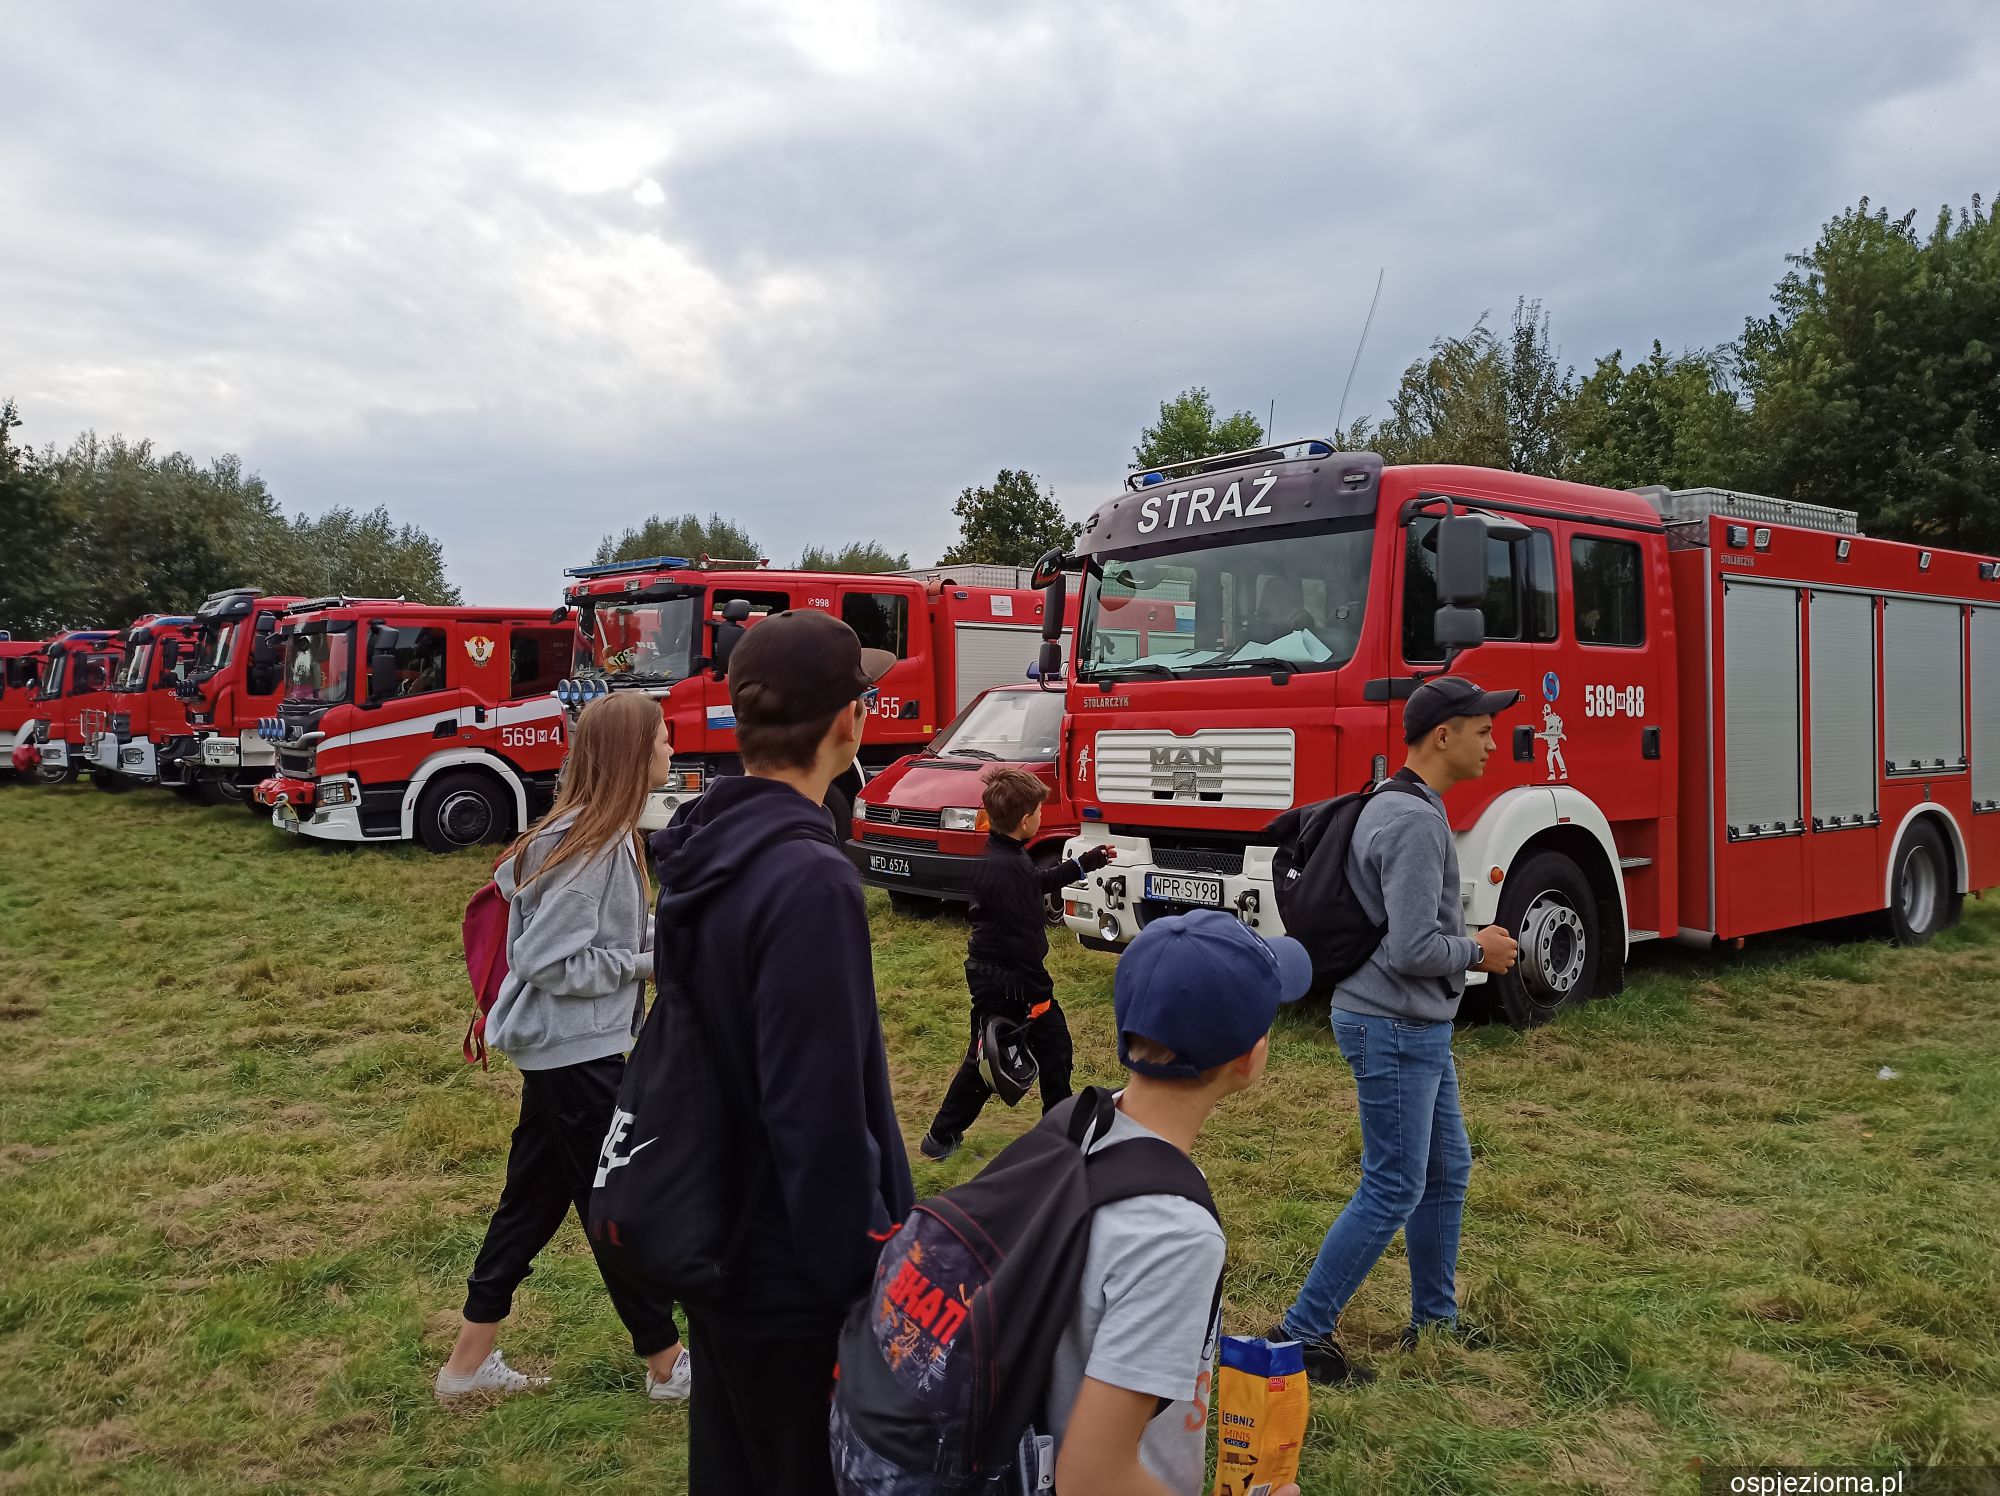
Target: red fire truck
column 230, row 688
column 20, row 673
column 403, row 720
column 1739, row 715
column 667, row 625
column 77, row 667
column 145, row 719
column 918, row 829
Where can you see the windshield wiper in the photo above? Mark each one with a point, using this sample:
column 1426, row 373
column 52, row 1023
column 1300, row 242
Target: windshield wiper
column 1132, row 667
column 970, row 753
column 1266, row 662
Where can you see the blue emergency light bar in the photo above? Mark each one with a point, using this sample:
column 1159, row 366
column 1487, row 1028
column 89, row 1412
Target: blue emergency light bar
column 1281, row 452
column 613, row 568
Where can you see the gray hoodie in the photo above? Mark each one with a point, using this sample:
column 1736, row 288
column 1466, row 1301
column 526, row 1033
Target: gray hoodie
column 1403, row 868
column 579, row 942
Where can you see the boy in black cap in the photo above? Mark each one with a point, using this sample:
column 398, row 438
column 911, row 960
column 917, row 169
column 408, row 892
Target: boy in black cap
column 1195, row 996
column 762, row 914
column 1005, row 960
column 1392, row 1019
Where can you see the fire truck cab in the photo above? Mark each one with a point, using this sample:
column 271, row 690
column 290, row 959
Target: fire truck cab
column 20, row 673
column 77, row 667
column 667, row 626
column 403, row 720
column 146, row 721
column 231, row 685
column 1737, row 715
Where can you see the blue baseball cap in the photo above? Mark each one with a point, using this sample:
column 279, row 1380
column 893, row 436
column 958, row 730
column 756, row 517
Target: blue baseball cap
column 1206, row 986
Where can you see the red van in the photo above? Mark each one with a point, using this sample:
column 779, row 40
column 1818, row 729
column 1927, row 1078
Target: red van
column 918, row 828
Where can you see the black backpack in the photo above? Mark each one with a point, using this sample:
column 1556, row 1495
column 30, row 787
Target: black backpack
column 1309, row 869
column 945, row 1364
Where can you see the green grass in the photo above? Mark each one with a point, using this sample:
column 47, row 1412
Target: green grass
column 243, row 1172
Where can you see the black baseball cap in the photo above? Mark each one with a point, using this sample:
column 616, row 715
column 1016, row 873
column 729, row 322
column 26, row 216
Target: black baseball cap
column 800, row 666
column 1437, row 701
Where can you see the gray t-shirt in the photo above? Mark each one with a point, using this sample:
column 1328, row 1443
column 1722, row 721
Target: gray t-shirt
column 1143, row 1321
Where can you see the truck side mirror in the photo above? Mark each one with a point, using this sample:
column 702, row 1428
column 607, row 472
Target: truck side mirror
column 1461, row 563
column 170, row 653
column 1459, row 629
column 382, row 679
column 1050, row 666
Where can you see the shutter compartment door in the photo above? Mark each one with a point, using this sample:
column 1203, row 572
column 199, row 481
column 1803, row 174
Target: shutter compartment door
column 1761, row 706
column 1986, row 708
column 1846, row 764
column 1923, row 679
column 993, row 655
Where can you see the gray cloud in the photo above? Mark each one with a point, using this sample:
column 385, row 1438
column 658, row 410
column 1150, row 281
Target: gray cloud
column 528, row 273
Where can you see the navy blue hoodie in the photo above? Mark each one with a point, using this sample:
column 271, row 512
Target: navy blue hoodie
column 763, row 913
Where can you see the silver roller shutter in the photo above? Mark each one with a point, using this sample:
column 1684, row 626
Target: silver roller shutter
column 1760, row 662
column 992, row 654
column 1986, row 708
column 1847, row 767
column 1923, row 684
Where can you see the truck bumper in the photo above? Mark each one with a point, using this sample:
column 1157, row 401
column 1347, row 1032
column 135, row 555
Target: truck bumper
column 55, row 754
column 1114, row 904
column 341, row 823
column 138, row 759
column 914, row 868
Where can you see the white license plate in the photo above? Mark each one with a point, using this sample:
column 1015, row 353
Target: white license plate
column 1178, row 888
column 892, row 867
column 213, row 752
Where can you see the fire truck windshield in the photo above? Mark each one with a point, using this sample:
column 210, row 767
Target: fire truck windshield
column 132, row 674
column 1019, row 726
column 1247, row 606
column 216, row 640
column 648, row 641
column 319, row 664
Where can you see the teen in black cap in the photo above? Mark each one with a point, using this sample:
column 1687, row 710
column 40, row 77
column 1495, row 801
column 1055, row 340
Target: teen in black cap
column 788, row 1097
column 1392, row 1020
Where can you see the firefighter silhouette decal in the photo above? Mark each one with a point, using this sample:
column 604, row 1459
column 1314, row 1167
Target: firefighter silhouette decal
column 1552, row 733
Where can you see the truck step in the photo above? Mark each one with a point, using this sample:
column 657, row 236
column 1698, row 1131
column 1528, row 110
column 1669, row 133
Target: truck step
column 1627, row 864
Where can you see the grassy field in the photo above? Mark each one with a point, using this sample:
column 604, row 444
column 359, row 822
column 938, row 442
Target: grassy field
column 243, row 1172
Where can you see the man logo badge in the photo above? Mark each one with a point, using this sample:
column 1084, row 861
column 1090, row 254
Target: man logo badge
column 1179, row 772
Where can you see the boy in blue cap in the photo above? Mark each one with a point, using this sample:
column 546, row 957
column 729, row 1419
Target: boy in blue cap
column 1195, row 996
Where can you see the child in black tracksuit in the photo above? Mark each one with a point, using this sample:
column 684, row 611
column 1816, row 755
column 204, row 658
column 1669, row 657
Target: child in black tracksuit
column 1004, row 961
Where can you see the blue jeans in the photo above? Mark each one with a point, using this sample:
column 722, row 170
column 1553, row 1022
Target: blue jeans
column 1415, row 1163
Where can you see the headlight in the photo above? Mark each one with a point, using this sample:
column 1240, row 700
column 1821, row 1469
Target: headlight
column 963, row 818
column 336, row 792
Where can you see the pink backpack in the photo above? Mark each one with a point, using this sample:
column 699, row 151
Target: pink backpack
column 485, row 933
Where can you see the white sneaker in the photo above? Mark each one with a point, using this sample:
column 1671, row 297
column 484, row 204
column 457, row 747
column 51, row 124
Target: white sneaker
column 679, row 1382
column 494, row 1376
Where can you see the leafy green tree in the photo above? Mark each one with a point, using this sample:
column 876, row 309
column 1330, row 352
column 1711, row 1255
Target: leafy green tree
column 680, row 535
column 1013, row 522
column 40, row 543
column 858, row 556
column 1874, row 383
column 1188, row 428
column 1672, row 419
column 362, row 555
column 1481, row 399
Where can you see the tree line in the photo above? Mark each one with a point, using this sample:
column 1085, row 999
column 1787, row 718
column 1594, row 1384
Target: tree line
column 108, row 529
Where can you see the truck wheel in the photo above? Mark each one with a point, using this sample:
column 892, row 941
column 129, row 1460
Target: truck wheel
column 840, row 805
column 1922, row 899
column 1549, row 908
column 462, row 810
column 50, row 775
column 914, row 906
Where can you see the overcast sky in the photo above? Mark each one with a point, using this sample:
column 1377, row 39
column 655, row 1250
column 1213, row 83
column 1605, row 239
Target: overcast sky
column 527, row 273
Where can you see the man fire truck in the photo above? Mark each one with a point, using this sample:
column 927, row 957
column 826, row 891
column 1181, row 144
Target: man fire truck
column 145, row 719
column 20, row 672
column 77, row 667
column 232, row 686
column 1739, row 715
column 919, row 831
column 667, row 625
column 405, row 720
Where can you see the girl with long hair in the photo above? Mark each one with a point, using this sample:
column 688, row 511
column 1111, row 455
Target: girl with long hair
column 579, row 953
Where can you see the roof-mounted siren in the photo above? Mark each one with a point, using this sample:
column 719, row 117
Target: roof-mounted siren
column 1304, row 450
column 618, row 568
